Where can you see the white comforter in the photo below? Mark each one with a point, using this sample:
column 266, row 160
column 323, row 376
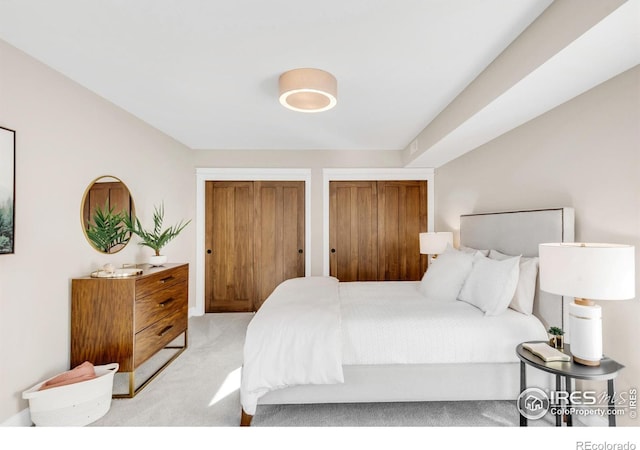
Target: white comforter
column 294, row 338
column 391, row 322
column 310, row 327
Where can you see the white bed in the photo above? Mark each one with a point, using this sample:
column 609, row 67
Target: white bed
column 380, row 319
column 316, row 340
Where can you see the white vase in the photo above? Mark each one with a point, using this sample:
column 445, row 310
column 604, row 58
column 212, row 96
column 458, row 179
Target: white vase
column 157, row 261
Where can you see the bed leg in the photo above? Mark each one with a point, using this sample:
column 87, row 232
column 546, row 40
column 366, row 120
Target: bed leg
column 245, row 419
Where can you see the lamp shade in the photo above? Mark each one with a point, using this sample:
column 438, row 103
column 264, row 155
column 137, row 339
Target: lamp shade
column 308, row 90
column 590, row 271
column 434, row 243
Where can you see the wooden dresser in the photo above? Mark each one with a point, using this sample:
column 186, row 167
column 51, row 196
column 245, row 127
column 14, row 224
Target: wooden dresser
column 129, row 320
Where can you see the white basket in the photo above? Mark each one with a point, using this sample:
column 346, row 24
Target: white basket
column 76, row 404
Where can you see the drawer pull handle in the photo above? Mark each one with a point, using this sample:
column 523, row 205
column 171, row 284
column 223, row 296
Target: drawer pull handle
column 164, row 280
column 165, row 330
column 165, row 303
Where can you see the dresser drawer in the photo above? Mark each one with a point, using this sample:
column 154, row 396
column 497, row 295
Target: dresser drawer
column 158, row 335
column 162, row 303
column 161, row 280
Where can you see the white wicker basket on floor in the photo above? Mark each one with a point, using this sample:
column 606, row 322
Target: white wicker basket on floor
column 75, row 404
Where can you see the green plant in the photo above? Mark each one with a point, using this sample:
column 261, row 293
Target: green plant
column 156, row 238
column 556, row 331
column 107, row 230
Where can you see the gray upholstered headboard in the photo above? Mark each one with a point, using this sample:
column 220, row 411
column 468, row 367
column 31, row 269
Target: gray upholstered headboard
column 520, row 233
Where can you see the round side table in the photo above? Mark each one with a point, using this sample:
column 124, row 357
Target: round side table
column 568, row 370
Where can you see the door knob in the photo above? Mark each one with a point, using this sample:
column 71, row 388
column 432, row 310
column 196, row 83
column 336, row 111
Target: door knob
column 299, row 250
column 209, row 251
column 333, row 250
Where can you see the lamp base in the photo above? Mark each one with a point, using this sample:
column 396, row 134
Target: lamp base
column 586, row 362
column 584, row 302
column 585, row 327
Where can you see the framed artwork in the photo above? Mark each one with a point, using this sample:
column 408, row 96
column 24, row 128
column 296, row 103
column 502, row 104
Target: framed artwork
column 7, row 189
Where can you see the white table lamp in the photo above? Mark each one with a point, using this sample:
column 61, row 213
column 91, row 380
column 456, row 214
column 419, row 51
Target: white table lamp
column 433, row 243
column 587, row 272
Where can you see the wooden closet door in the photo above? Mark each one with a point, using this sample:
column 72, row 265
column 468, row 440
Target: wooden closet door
column 279, row 234
column 402, row 215
column 229, row 261
column 353, row 230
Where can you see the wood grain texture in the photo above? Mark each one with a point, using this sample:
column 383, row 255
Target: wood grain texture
column 402, row 207
column 156, row 281
column 159, row 334
column 279, row 235
column 229, row 267
column 102, row 312
column 159, row 304
column 245, row 419
column 374, row 228
column 353, row 230
column 255, row 240
column 110, row 317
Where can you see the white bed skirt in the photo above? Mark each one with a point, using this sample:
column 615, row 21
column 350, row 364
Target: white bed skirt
column 414, row 383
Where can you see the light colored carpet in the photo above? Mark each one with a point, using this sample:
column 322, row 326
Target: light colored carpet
column 200, row 388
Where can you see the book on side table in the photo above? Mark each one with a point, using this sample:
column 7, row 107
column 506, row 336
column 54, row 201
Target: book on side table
column 546, row 352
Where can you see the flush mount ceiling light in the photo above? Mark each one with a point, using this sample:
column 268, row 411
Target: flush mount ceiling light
column 308, row 90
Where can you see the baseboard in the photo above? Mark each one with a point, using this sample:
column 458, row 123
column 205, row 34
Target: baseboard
column 22, row 419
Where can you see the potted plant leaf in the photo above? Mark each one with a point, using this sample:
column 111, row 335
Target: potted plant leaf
column 107, row 230
column 157, row 237
column 557, row 339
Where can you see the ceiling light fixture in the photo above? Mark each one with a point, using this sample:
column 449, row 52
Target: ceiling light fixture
column 308, row 90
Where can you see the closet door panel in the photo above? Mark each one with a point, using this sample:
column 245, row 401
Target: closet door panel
column 374, row 228
column 402, row 216
column 229, row 262
column 293, row 230
column 390, row 228
column 268, row 236
column 255, row 235
column 279, row 234
column 353, row 230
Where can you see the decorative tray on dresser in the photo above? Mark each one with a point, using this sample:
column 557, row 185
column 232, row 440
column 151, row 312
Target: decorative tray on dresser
column 128, row 320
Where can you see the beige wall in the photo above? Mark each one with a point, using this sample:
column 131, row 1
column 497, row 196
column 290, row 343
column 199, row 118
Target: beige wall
column 67, row 136
column 314, row 160
column 583, row 154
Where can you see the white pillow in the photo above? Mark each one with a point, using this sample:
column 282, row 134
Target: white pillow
column 491, row 284
column 445, row 277
column 526, row 290
column 473, row 250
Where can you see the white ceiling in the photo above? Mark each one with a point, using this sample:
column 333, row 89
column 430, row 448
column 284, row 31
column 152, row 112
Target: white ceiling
column 609, row 48
column 205, row 72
